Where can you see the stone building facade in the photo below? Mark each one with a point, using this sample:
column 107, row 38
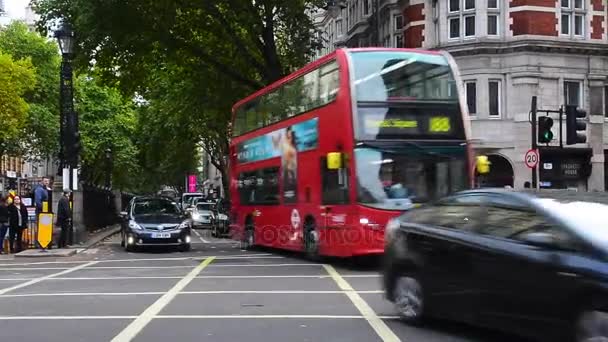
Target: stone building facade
column 508, row 51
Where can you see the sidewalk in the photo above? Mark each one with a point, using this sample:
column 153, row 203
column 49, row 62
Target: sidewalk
column 92, row 239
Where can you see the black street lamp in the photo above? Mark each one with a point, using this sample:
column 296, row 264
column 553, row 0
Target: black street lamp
column 70, row 137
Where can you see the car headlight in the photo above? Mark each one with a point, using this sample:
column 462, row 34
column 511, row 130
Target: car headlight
column 134, row 225
column 391, row 227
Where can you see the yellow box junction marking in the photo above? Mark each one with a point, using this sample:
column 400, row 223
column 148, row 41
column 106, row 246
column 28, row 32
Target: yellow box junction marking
column 131, row 331
column 383, row 331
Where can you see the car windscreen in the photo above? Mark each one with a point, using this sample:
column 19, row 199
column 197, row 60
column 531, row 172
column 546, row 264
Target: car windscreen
column 205, row 206
column 155, row 207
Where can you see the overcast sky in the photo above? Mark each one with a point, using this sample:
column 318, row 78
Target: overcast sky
column 16, row 8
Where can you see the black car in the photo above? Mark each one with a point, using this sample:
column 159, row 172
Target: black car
column 155, row 221
column 535, row 267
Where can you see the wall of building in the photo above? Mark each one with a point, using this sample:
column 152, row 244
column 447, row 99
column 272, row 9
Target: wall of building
column 524, row 48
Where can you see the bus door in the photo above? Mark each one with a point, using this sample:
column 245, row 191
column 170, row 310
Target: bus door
column 334, row 200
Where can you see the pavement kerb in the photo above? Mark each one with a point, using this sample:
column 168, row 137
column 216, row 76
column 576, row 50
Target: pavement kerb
column 98, row 238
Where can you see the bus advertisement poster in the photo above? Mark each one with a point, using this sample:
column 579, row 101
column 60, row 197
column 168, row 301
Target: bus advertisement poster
column 275, row 143
column 286, row 143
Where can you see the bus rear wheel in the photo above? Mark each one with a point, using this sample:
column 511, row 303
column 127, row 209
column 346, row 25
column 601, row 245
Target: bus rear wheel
column 311, row 240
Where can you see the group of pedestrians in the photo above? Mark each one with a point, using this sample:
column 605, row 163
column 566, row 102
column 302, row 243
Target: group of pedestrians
column 13, row 220
column 14, row 217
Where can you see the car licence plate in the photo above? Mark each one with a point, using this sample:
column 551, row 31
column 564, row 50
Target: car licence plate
column 161, row 235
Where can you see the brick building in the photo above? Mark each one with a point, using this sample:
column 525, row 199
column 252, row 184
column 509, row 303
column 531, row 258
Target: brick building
column 507, row 51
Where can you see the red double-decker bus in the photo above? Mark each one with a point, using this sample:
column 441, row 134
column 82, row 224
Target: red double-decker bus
column 322, row 159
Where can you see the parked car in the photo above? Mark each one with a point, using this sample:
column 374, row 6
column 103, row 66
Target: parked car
column 536, row 267
column 155, row 221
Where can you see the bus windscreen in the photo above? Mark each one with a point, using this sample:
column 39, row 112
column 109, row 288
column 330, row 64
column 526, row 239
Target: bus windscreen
column 405, row 95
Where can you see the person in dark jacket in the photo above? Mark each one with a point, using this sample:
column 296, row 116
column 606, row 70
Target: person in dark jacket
column 3, row 222
column 64, row 215
column 18, row 220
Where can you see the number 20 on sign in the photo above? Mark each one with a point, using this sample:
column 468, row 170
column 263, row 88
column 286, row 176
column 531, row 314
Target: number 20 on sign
column 531, row 158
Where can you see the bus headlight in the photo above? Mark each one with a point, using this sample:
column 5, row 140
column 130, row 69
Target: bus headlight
column 391, row 227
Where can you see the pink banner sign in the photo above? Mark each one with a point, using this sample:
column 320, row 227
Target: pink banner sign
column 192, row 183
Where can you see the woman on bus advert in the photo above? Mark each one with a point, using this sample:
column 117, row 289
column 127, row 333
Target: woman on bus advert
column 286, row 143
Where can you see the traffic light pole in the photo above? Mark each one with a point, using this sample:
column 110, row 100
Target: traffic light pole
column 561, row 119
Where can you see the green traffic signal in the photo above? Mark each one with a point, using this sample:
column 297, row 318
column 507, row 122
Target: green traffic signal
column 545, row 135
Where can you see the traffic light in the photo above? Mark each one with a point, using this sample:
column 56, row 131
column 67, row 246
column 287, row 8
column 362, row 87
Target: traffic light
column 545, row 135
column 575, row 125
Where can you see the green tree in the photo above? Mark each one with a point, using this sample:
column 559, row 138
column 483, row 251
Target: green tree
column 107, row 120
column 41, row 129
column 16, row 79
column 191, row 60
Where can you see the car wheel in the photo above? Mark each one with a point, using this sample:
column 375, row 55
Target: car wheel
column 129, row 248
column 185, row 248
column 592, row 326
column 408, row 298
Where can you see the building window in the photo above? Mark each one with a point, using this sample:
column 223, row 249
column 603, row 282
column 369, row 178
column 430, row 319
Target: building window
column 398, row 22
column 454, row 27
column 399, row 41
column 339, row 31
column 573, row 93
column 469, row 26
column 470, row 89
column 461, row 19
column 573, row 18
column 494, row 98
column 606, row 108
column 365, row 7
column 454, row 5
column 492, row 4
column 492, row 25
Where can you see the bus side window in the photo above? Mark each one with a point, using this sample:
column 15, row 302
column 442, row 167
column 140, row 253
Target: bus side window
column 334, row 190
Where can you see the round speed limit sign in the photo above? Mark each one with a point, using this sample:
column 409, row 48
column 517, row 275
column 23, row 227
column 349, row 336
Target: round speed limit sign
column 531, row 158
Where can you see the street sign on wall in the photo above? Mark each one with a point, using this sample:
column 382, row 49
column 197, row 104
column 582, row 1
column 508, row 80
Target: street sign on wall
column 531, row 158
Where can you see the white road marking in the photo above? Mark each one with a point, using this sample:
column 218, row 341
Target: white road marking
column 37, row 280
column 34, row 318
column 77, row 294
column 116, row 278
column 102, row 294
column 44, row 263
column 15, row 318
column 138, row 267
column 200, row 237
column 33, row 268
column 146, row 317
column 383, row 331
column 277, row 292
column 269, row 317
column 261, row 265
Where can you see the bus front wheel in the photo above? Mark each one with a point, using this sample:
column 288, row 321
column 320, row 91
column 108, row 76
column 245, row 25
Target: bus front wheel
column 311, row 240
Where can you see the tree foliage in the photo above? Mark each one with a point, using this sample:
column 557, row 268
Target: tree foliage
column 40, row 132
column 107, row 121
column 16, row 79
column 191, row 60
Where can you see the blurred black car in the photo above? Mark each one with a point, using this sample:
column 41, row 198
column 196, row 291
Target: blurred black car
column 155, row 221
column 530, row 266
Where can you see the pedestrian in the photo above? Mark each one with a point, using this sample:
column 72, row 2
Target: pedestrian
column 3, row 222
column 18, row 219
column 41, row 195
column 64, row 216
